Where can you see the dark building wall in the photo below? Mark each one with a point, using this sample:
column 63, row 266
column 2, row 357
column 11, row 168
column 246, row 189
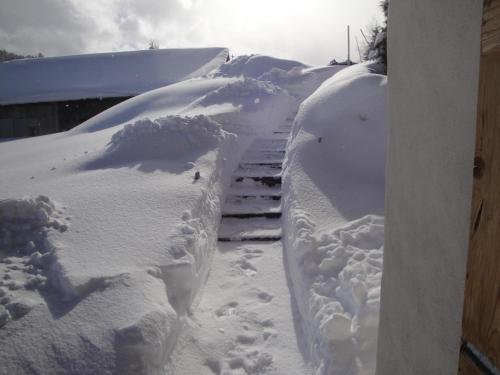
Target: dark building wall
column 31, row 119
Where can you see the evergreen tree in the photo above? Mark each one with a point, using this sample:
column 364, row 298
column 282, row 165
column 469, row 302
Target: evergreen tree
column 376, row 48
column 6, row 56
column 153, row 44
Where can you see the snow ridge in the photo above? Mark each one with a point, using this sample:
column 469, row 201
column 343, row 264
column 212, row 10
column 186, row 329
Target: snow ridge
column 333, row 232
column 338, row 273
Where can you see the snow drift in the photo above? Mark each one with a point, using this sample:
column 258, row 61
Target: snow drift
column 165, row 138
column 253, row 66
column 122, row 213
column 333, row 231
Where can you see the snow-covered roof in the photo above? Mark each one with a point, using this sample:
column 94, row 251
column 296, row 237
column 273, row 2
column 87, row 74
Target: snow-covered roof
column 102, row 75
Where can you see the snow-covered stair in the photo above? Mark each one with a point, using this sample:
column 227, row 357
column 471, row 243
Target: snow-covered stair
column 245, row 322
column 253, row 207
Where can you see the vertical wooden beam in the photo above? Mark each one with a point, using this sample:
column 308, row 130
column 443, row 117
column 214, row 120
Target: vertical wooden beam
column 481, row 319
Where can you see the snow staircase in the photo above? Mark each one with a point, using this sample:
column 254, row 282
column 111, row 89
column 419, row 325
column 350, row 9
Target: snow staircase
column 252, row 211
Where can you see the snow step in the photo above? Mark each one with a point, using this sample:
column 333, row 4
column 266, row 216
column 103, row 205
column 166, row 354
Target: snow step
column 265, row 164
column 251, row 197
column 253, row 206
column 251, row 215
column 257, row 150
column 259, row 227
column 269, row 144
column 252, row 190
column 264, row 155
column 250, row 238
column 258, row 159
column 262, row 180
column 257, row 172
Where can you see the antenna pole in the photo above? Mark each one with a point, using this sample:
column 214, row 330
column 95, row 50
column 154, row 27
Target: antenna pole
column 348, row 45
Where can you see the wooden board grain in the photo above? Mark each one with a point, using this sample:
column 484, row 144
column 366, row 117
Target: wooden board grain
column 467, row 366
column 490, row 40
column 481, row 319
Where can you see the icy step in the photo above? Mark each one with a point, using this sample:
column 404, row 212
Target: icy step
column 271, row 165
column 256, row 229
column 251, row 197
column 257, row 172
column 269, row 144
column 262, row 160
column 253, row 190
column 236, row 205
column 252, row 215
column 263, row 156
column 255, row 238
column 270, row 181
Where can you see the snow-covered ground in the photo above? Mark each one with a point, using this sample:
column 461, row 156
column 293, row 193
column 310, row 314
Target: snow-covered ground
column 108, row 231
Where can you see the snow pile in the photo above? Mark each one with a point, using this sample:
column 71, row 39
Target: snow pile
column 245, row 93
column 333, row 231
column 170, row 137
column 168, row 100
column 25, row 254
column 254, row 66
column 25, row 222
column 298, row 79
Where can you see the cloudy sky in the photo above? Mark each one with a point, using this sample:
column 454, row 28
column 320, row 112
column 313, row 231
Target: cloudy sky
column 312, row 31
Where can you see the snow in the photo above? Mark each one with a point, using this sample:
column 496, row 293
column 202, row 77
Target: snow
column 254, row 66
column 108, row 232
column 103, row 75
column 333, row 228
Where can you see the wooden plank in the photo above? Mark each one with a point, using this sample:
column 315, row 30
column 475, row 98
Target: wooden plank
column 467, row 367
column 491, row 26
column 481, row 320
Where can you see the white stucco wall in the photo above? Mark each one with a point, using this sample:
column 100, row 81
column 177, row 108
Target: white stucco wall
column 433, row 77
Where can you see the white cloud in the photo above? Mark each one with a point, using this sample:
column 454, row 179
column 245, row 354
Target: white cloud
column 312, row 31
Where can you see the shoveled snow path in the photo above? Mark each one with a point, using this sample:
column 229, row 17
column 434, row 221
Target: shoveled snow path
column 244, row 323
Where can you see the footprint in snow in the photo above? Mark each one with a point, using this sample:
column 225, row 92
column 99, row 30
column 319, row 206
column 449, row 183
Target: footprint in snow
column 251, row 362
column 214, row 364
column 246, row 266
column 246, row 339
column 227, row 309
column 253, row 253
column 264, row 296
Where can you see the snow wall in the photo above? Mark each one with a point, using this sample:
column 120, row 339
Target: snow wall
column 433, row 79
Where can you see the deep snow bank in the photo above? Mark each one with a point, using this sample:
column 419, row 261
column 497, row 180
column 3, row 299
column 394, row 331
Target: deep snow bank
column 111, row 288
column 170, row 137
column 253, row 66
column 128, row 244
column 333, row 231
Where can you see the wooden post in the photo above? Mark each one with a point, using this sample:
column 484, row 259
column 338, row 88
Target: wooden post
column 480, row 352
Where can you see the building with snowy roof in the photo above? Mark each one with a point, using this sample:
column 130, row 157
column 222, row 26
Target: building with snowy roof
column 47, row 95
